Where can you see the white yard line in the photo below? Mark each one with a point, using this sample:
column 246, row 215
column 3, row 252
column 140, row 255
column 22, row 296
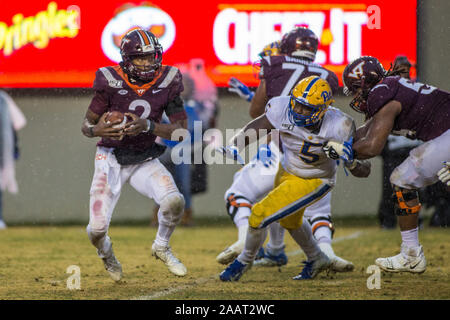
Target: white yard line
column 201, row 281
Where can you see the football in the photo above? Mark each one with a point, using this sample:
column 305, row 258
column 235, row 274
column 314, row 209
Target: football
column 115, row 116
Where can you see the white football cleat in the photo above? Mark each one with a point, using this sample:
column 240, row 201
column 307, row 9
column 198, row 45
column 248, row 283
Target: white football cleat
column 337, row 263
column 113, row 266
column 341, row 265
column 165, row 255
column 231, row 253
column 2, row 225
column 410, row 259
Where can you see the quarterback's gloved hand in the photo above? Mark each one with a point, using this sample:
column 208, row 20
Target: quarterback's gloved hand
column 336, row 150
column 231, row 152
column 444, row 173
column 241, row 89
column 265, row 155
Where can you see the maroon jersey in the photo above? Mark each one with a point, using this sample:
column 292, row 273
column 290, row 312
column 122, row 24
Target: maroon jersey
column 114, row 92
column 282, row 73
column 425, row 111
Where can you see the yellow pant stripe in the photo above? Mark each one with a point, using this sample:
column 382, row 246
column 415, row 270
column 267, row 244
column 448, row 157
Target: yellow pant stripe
column 288, row 200
column 297, row 205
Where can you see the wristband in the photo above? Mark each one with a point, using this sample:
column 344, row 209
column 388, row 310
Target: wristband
column 91, row 131
column 150, row 126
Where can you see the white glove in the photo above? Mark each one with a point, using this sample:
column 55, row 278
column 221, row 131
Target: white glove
column 444, row 173
column 241, row 89
column 231, row 152
column 336, row 150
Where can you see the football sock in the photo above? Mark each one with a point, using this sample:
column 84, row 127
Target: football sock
column 323, row 235
column 242, row 232
column 411, row 237
column 276, row 246
column 304, row 238
column 241, row 216
column 327, row 249
column 163, row 235
column 104, row 247
column 254, row 240
column 101, row 242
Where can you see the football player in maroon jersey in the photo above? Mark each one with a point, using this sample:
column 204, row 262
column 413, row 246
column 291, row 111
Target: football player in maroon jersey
column 396, row 105
column 142, row 88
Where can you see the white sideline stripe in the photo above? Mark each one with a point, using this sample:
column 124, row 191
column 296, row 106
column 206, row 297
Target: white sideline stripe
column 200, row 281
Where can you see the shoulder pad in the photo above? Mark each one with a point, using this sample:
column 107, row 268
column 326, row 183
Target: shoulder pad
column 271, row 63
column 339, row 124
column 171, row 76
column 104, row 78
column 381, row 94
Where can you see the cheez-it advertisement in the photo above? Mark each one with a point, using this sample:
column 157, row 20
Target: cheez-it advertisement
column 62, row 43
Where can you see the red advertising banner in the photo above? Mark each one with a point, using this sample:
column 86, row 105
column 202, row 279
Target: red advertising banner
column 61, row 43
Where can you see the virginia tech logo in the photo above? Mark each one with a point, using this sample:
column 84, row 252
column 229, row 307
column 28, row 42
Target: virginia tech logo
column 147, row 17
column 357, row 71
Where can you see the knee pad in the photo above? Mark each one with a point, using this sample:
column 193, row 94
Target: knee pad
column 321, row 222
column 400, row 197
column 234, row 203
column 173, row 204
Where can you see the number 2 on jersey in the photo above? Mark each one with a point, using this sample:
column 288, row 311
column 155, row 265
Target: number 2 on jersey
column 306, row 155
column 141, row 103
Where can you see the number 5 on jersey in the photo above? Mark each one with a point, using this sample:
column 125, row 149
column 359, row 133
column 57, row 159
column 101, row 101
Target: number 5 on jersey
column 305, row 153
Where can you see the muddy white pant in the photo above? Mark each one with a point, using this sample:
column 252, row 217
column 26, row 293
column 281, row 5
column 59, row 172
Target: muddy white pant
column 150, row 179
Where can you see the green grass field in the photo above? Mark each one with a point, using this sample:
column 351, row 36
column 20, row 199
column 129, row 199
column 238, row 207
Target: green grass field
column 34, row 260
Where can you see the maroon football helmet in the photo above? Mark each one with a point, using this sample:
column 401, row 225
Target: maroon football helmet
column 300, row 42
column 139, row 43
column 359, row 77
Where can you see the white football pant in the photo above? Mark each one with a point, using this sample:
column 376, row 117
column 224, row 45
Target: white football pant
column 150, row 179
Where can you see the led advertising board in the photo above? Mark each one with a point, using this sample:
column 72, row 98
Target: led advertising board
column 62, row 43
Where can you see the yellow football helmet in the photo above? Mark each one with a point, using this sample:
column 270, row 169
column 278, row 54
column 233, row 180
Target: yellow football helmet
column 272, row 49
column 313, row 93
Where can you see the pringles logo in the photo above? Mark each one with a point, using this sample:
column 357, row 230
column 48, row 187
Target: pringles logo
column 129, row 17
column 39, row 29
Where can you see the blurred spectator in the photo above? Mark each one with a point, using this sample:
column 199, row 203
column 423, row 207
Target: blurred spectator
column 11, row 120
column 201, row 103
column 396, row 150
column 182, row 172
column 205, row 92
column 206, row 96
